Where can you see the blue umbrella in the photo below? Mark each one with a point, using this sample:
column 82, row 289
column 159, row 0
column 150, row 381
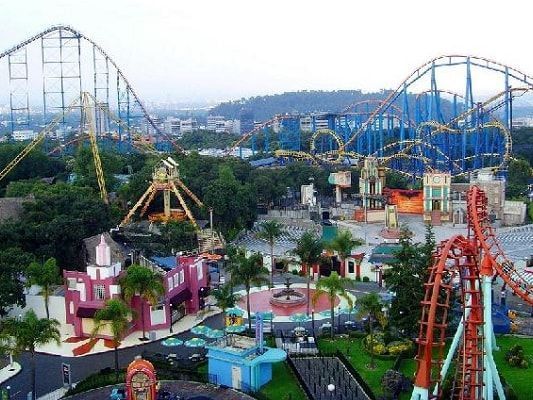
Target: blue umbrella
column 300, row 317
column 215, row 334
column 200, row 330
column 170, row 342
column 267, row 315
column 195, row 342
column 235, row 311
column 235, row 329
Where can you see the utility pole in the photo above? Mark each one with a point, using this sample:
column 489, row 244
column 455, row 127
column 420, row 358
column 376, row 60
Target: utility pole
column 212, row 231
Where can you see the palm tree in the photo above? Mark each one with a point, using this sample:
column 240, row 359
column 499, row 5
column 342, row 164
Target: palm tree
column 45, row 276
column 29, row 332
column 370, row 306
column 115, row 316
column 343, row 245
column 309, row 248
column 270, row 231
column 145, row 283
column 333, row 286
column 249, row 272
column 225, row 297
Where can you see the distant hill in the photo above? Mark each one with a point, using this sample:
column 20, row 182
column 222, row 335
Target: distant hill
column 265, row 107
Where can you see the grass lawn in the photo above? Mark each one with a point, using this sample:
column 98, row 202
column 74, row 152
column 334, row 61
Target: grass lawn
column 519, row 379
column 283, row 382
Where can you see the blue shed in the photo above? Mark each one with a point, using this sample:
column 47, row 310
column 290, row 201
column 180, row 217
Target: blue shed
column 236, row 361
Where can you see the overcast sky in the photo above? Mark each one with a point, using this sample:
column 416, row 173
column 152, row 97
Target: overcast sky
column 214, row 50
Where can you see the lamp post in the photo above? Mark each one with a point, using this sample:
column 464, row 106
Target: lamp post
column 331, row 389
column 339, row 319
column 170, row 314
column 502, row 297
column 313, row 320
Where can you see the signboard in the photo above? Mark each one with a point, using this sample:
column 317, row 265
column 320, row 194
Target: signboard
column 259, row 330
column 342, row 178
column 65, row 373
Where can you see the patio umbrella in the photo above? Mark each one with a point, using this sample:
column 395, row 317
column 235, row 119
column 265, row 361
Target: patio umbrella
column 215, row 334
column 170, row 342
column 342, row 311
column 235, row 311
column 299, row 318
column 195, row 342
column 235, row 329
column 267, row 315
column 200, row 330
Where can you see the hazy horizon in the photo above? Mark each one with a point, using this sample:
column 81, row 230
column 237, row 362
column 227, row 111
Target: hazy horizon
column 212, row 51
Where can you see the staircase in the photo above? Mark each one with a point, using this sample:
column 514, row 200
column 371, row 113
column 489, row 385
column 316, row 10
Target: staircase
column 205, row 238
column 436, row 218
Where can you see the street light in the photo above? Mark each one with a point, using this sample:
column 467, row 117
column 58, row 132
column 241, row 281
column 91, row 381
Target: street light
column 313, row 320
column 331, row 388
column 170, row 312
column 339, row 319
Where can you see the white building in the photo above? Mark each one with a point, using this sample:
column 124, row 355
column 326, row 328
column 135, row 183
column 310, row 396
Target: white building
column 188, row 125
column 306, row 123
column 215, row 123
column 25, row 134
column 172, row 126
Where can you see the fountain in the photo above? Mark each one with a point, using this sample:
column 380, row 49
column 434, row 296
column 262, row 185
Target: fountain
column 287, row 297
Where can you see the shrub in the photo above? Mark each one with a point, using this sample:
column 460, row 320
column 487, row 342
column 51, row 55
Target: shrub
column 358, row 278
column 393, row 382
column 294, row 271
column 399, row 346
column 515, row 357
column 366, row 279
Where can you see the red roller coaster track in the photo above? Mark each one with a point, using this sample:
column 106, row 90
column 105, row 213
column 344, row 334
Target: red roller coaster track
column 463, row 262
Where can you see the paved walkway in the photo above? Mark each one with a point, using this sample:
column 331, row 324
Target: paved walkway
column 185, row 389
column 9, row 371
column 320, row 372
column 65, row 349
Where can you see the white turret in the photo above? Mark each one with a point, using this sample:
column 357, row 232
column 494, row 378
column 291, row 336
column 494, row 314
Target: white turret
column 103, row 253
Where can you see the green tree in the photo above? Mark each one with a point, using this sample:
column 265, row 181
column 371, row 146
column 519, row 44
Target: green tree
column 233, row 202
column 57, row 221
column 519, row 173
column 116, row 317
column 30, row 332
column 225, row 297
column 45, row 276
column 270, row 230
column 308, row 248
column 85, row 169
column 343, row 244
column 406, row 278
column 13, row 262
column 333, row 286
column 249, row 272
column 369, row 306
column 35, row 165
column 178, row 236
column 145, row 283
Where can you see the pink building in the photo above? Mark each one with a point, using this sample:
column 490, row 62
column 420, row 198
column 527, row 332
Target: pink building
column 185, row 279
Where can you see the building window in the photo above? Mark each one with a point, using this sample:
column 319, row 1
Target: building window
column 169, row 283
column 200, row 269
column 176, row 280
column 350, row 267
column 182, row 277
column 99, row 292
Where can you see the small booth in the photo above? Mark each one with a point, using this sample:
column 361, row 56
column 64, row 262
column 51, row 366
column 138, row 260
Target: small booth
column 141, row 382
column 234, row 316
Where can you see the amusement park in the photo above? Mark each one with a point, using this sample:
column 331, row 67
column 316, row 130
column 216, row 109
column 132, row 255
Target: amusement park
column 316, row 244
